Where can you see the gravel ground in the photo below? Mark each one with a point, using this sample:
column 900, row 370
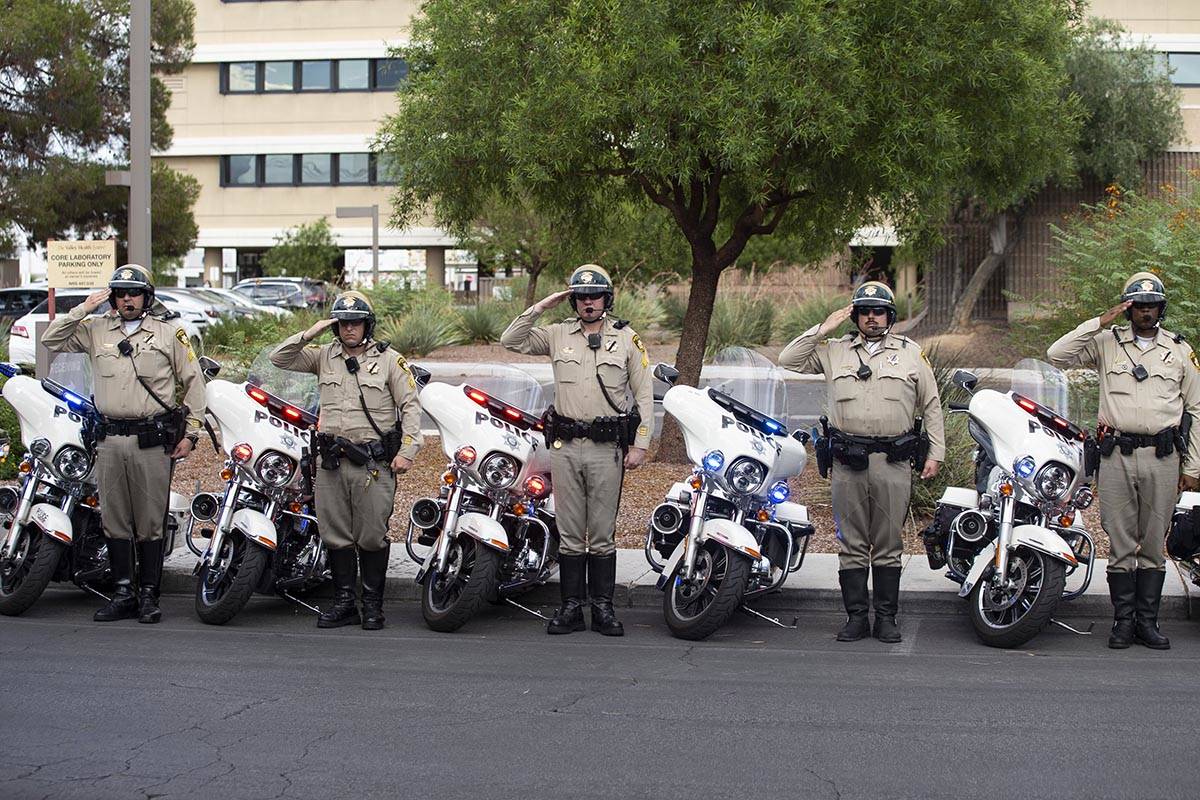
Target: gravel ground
column 642, row 491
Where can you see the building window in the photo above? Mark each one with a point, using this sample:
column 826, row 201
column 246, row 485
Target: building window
column 316, row 76
column 324, row 75
column 354, row 168
column 240, row 171
column 315, row 168
column 241, row 76
column 278, row 170
column 308, row 169
column 354, row 74
column 389, row 72
column 1185, row 68
column 279, row 76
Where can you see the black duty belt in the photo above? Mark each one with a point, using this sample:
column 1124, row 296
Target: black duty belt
column 619, row 428
column 1165, row 442
column 127, row 427
column 852, row 450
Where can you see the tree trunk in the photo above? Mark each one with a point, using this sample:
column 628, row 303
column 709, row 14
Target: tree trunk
column 534, row 270
column 1002, row 247
column 689, row 359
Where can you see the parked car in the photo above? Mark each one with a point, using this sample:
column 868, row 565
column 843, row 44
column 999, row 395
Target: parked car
column 22, row 339
column 233, row 303
column 286, row 292
column 20, row 300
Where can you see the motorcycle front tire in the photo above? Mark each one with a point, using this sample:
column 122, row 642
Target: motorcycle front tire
column 218, row 604
column 696, row 612
column 447, row 607
column 1034, row 609
column 37, row 577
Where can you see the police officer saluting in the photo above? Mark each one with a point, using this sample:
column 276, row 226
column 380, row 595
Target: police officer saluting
column 1149, row 388
column 138, row 356
column 593, row 437
column 880, row 384
column 369, row 430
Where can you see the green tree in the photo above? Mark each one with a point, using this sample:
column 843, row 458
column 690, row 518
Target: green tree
column 738, row 119
column 1127, row 233
column 308, row 250
column 1130, row 114
column 64, row 118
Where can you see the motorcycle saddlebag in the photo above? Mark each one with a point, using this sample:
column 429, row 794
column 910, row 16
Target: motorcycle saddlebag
column 1183, row 542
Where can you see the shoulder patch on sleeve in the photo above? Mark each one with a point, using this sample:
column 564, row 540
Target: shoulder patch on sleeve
column 187, row 345
column 1195, row 361
column 402, row 363
column 637, row 342
column 925, row 358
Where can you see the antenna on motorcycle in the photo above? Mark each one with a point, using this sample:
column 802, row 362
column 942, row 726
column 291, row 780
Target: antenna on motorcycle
column 666, row 373
column 965, row 379
column 420, row 375
column 209, row 368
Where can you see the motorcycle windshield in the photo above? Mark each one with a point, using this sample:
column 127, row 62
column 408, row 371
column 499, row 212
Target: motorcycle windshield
column 73, row 371
column 1044, row 384
column 749, row 377
column 511, row 385
column 297, row 388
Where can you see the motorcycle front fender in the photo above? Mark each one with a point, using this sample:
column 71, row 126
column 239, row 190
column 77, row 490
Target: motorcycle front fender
column 256, row 527
column 1035, row 537
column 485, row 529
column 53, row 522
column 723, row 531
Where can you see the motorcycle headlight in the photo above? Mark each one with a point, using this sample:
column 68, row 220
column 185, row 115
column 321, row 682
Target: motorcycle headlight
column 275, row 469
column 72, row 463
column 40, row 447
column 499, row 470
column 1053, row 480
column 746, row 475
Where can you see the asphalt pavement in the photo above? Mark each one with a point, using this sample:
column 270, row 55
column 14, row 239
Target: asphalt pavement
column 270, row 707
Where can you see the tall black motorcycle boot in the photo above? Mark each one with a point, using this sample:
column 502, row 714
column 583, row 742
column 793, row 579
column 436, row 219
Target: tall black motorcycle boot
column 1148, row 597
column 857, row 602
column 569, row 617
column 343, row 564
column 150, row 558
column 602, row 582
column 886, row 597
column 1122, row 589
column 374, row 576
column 124, row 604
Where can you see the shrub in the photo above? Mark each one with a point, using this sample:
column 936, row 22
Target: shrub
column 958, row 468
column 813, row 311
column 640, row 306
column 236, row 341
column 419, row 334
column 484, row 323
column 739, row 321
column 672, row 307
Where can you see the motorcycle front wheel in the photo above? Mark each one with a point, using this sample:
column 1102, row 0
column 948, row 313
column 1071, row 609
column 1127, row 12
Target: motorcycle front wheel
column 695, row 609
column 224, row 586
column 450, row 598
column 1011, row 615
column 23, row 579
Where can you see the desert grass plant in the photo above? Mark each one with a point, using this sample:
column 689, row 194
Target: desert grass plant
column 639, row 305
column 739, row 321
column 958, row 468
column 236, row 341
column 483, row 323
column 798, row 318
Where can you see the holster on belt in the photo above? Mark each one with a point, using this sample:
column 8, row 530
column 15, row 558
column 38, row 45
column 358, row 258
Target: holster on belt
column 821, row 448
column 1091, row 456
column 164, row 430
column 854, row 452
column 1106, row 440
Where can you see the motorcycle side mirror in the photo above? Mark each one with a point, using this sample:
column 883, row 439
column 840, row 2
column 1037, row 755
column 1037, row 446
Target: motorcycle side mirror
column 666, row 373
column 209, row 368
column 420, row 375
column 801, row 436
column 965, row 379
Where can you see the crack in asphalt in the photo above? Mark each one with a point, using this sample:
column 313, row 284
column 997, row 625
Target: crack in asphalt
column 832, row 785
column 300, row 762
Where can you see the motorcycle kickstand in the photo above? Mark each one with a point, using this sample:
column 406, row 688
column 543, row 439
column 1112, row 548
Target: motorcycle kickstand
column 795, row 620
column 96, row 592
column 1088, row 632
column 537, row 614
column 300, row 602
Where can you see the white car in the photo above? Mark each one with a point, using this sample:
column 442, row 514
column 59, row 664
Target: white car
column 228, row 302
column 22, row 339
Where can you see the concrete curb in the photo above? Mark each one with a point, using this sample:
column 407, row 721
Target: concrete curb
column 813, row 589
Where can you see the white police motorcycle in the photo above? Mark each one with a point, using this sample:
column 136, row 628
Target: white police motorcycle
column 51, row 519
column 489, row 535
column 1012, row 540
column 728, row 532
column 261, row 531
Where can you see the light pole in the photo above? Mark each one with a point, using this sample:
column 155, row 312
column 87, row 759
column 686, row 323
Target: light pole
column 347, row 212
column 139, row 133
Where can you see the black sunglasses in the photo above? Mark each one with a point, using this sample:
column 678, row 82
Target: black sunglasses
column 873, row 311
column 128, row 292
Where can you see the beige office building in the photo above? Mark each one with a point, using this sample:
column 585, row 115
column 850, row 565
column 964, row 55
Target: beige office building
column 275, row 117
column 276, row 114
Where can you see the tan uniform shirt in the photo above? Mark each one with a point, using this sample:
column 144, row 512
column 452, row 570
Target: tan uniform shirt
column 387, row 385
column 1127, row 404
column 901, row 386
column 162, row 356
column 621, row 362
